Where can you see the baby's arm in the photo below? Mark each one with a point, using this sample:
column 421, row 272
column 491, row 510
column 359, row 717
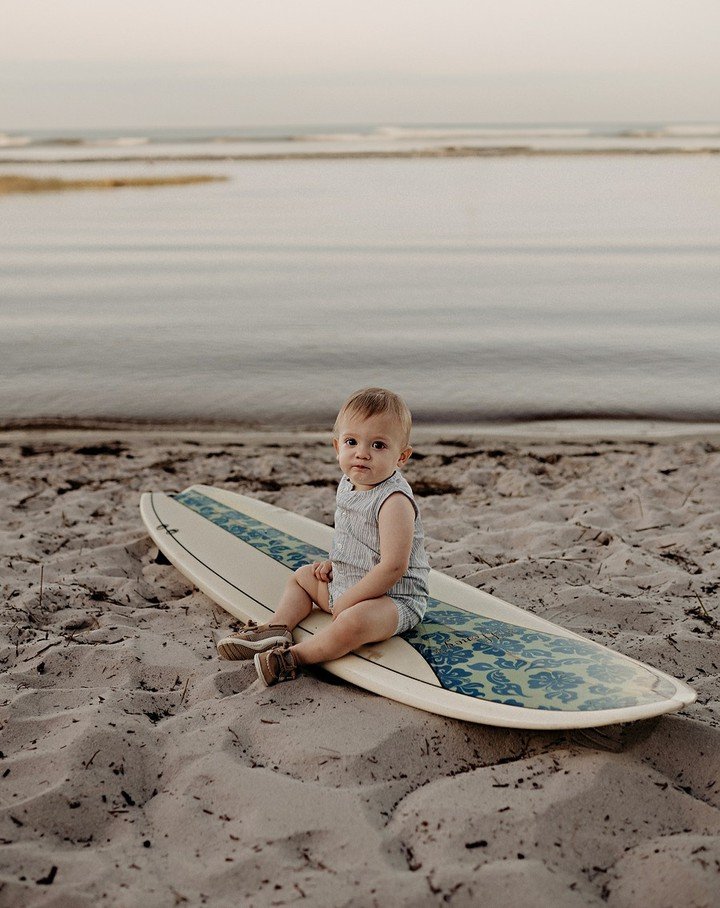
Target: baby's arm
column 396, row 523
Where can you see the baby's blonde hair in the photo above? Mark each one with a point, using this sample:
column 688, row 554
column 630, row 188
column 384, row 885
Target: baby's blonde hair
column 375, row 401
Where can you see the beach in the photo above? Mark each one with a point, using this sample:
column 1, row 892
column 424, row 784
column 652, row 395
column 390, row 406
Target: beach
column 138, row 768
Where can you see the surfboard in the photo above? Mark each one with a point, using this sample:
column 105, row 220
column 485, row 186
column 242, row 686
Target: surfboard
column 473, row 657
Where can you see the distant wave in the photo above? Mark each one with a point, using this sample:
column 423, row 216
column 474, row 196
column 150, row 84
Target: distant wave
column 481, row 132
column 355, row 134
column 9, row 141
column 123, row 142
column 77, row 141
column 14, row 141
column 375, row 140
column 231, row 139
column 701, row 131
column 442, row 133
column 330, row 137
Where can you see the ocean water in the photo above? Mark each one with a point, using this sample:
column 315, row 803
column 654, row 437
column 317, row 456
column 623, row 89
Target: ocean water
column 499, row 287
column 61, row 145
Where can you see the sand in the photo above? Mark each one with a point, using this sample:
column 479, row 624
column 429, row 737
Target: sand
column 139, row 769
column 11, row 183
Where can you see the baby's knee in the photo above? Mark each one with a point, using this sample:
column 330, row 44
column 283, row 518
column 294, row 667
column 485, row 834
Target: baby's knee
column 304, row 577
column 348, row 623
column 303, row 573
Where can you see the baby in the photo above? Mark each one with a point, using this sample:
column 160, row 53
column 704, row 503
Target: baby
column 375, row 583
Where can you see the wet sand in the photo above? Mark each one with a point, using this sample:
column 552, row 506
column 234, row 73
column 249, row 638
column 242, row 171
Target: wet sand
column 10, row 183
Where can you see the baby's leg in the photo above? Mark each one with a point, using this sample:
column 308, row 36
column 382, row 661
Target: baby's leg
column 301, row 591
column 366, row 622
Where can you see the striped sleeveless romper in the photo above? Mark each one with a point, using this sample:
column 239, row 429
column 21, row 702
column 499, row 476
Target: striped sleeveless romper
column 356, row 547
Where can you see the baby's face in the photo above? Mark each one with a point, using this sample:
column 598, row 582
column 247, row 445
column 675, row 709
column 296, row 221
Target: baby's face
column 370, row 449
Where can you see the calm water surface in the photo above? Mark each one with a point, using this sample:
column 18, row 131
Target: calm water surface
column 479, row 288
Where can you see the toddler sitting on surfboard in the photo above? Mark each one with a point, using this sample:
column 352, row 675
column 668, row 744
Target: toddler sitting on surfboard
column 375, row 583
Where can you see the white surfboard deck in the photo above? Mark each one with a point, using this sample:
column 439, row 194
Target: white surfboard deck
column 474, row 657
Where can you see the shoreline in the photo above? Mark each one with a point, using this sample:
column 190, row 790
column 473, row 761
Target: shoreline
column 569, row 429
column 525, row 151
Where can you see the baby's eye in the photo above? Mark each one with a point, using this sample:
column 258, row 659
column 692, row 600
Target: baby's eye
column 379, row 445
column 351, row 442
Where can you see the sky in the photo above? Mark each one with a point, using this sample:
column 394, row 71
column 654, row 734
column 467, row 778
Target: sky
column 174, row 63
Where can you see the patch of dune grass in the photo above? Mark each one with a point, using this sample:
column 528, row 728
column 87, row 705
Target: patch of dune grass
column 11, row 183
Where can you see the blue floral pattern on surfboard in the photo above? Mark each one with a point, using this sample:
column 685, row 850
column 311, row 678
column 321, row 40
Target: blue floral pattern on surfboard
column 481, row 657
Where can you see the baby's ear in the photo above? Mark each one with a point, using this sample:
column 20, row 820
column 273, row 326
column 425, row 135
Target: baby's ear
column 405, row 456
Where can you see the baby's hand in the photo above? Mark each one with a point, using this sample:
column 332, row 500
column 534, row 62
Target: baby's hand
column 323, row 571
